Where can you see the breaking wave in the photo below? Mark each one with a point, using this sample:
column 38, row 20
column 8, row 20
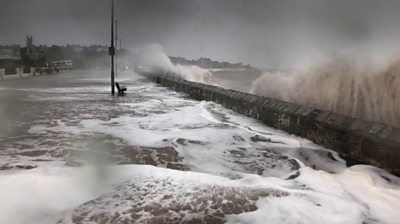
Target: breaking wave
column 153, row 60
column 364, row 87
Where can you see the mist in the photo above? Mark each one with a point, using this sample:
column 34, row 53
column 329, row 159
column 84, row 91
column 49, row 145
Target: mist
column 152, row 59
column 342, row 53
column 264, row 33
column 360, row 86
column 77, row 148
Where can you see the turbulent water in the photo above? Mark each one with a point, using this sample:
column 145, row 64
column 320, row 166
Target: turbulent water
column 366, row 88
column 75, row 154
column 152, row 59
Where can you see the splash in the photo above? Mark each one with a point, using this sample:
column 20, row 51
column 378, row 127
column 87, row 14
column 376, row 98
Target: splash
column 366, row 87
column 152, row 59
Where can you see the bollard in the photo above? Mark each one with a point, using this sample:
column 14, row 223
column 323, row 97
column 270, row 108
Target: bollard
column 33, row 71
column 2, row 73
column 18, row 71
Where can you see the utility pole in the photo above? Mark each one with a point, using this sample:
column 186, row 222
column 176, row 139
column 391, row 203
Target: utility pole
column 111, row 49
column 116, row 47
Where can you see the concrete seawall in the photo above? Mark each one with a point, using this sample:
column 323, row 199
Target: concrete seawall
column 367, row 142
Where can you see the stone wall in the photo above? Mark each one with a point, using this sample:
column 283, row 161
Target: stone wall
column 367, row 142
column 39, row 71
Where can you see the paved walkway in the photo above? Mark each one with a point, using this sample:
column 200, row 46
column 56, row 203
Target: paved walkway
column 70, row 152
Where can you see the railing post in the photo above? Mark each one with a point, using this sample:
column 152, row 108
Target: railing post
column 2, row 73
column 33, row 71
column 18, row 72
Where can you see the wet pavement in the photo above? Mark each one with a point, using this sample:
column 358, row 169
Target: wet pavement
column 152, row 156
column 61, row 119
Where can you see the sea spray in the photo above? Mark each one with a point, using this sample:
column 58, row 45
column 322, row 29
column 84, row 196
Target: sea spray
column 366, row 87
column 152, row 59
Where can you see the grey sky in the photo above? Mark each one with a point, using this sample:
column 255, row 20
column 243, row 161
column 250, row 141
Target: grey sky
column 265, row 33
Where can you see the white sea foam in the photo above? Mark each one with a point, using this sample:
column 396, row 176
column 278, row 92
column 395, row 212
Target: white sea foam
column 348, row 83
column 152, row 59
column 355, row 196
column 321, row 190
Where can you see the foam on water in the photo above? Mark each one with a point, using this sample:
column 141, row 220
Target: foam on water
column 300, row 182
column 152, row 59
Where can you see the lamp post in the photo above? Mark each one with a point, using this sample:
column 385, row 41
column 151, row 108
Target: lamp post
column 116, row 47
column 111, row 49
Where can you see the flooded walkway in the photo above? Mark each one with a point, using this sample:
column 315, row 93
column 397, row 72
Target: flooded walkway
column 72, row 153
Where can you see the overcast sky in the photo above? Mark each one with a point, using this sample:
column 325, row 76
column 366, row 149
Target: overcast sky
column 265, row 33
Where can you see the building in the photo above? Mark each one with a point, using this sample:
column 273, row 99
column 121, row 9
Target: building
column 9, row 55
column 31, row 56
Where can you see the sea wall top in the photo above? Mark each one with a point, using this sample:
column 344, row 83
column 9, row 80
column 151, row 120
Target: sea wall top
column 357, row 140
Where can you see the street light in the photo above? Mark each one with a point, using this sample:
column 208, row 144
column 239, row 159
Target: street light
column 116, row 47
column 111, row 49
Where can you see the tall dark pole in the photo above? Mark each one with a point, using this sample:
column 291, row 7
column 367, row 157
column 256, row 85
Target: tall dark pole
column 112, row 49
column 116, row 47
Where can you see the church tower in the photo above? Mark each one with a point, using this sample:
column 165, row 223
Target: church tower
column 29, row 42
